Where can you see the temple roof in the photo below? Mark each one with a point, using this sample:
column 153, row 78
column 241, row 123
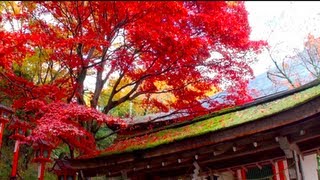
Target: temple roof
column 243, row 136
column 258, row 109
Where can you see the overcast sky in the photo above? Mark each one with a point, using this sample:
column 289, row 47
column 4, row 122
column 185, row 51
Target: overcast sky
column 286, row 23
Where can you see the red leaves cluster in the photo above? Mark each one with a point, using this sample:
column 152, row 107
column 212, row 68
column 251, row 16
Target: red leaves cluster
column 145, row 42
column 163, row 41
column 61, row 122
column 12, row 48
column 21, row 91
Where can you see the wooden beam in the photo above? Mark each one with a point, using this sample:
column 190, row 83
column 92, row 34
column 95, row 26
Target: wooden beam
column 277, row 120
column 311, row 127
column 188, row 161
column 218, row 149
column 185, row 160
column 223, row 160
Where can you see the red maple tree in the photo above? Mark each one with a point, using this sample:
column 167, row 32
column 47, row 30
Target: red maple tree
column 188, row 46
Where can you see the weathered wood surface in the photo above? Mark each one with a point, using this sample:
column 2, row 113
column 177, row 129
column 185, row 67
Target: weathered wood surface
column 263, row 131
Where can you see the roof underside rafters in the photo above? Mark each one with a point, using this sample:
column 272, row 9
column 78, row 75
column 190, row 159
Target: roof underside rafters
column 218, row 157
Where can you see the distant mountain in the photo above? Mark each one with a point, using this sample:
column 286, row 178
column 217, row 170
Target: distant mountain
column 265, row 86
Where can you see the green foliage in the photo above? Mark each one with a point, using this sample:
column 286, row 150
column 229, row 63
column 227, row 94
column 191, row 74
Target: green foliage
column 5, row 162
column 60, row 152
column 105, row 142
column 29, row 172
column 32, row 172
column 38, row 69
column 123, row 110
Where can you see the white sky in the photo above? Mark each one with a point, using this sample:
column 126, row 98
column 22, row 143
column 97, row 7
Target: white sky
column 290, row 21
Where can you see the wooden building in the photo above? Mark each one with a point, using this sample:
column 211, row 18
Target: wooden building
column 272, row 135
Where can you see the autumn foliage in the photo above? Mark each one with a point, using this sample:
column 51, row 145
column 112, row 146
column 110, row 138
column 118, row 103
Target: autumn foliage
column 59, row 121
column 140, row 50
column 299, row 68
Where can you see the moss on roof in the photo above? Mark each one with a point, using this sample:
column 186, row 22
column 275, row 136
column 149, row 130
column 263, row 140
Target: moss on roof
column 212, row 123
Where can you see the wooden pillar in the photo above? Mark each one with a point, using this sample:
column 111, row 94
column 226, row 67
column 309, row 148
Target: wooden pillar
column 299, row 158
column 1, row 132
column 241, row 174
column 279, row 170
column 15, row 159
column 41, row 168
column 291, row 151
column 81, row 175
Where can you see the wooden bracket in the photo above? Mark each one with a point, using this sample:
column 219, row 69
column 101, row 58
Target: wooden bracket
column 287, row 147
column 291, row 150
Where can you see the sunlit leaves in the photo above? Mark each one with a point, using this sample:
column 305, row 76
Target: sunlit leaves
column 145, row 57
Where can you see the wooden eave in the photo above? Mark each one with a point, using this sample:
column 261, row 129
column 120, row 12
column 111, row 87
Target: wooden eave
column 219, row 150
column 140, row 129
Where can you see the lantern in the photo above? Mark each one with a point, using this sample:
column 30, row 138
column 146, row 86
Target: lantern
column 20, row 128
column 42, row 156
column 42, row 152
column 63, row 170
